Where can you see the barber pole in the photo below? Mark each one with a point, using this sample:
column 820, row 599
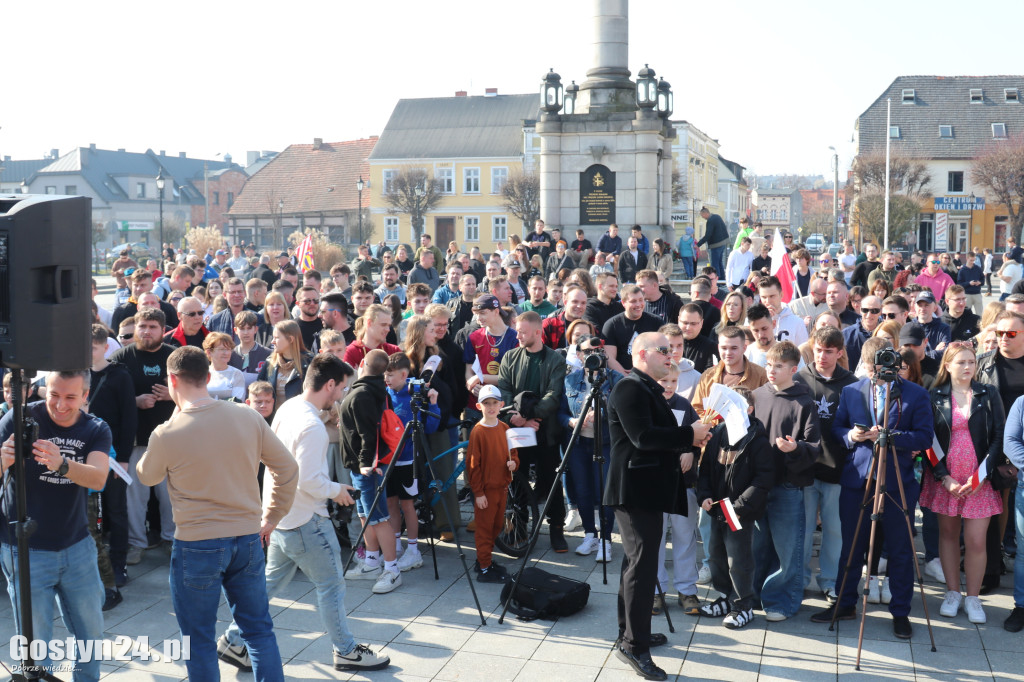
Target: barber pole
column 730, row 514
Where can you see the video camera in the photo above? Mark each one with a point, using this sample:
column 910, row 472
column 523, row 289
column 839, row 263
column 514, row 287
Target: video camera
column 887, row 364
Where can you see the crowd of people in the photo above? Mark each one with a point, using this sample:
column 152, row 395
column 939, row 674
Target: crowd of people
column 313, row 361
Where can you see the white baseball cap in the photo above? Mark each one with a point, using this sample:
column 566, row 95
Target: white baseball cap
column 489, row 391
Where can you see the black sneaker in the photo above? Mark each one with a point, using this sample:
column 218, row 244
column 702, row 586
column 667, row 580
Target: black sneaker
column 113, row 599
column 901, row 627
column 120, row 577
column 558, row 542
column 361, row 658
column 1015, row 621
column 848, row 613
column 491, row 575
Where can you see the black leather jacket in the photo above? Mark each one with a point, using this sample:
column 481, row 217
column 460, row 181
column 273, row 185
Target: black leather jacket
column 985, row 423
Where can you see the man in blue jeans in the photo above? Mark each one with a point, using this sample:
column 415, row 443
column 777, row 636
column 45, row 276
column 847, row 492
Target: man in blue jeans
column 716, row 236
column 1013, row 445
column 72, row 449
column 305, row 537
column 210, row 453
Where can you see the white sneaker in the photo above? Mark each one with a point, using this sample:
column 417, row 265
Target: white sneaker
column 589, row 545
column 975, row 612
column 387, row 581
column 410, row 559
column 399, row 548
column 873, row 595
column 572, row 521
column 885, row 592
column 360, row 571
column 704, row 575
column 774, row 616
column 933, row 569
column 604, row 552
column 883, row 563
column 951, row 604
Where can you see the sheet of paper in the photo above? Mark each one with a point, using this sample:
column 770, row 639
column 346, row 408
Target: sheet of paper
column 737, row 423
column 116, row 467
column 478, row 370
column 521, row 438
column 679, row 416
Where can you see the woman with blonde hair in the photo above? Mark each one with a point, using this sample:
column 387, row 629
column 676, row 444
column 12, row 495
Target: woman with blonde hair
column 286, row 366
column 734, row 311
column 988, row 340
column 225, row 382
column 823, row 319
column 275, row 309
column 890, row 331
column 991, row 312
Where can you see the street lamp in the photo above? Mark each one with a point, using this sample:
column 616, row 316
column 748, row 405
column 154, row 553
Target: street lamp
column 835, row 195
column 970, row 230
column 551, row 92
column 418, row 216
column 280, row 218
column 160, row 182
column 570, row 99
column 646, row 88
column 359, row 190
column 666, row 100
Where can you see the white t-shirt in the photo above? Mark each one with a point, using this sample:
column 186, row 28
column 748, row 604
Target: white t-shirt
column 848, row 261
column 1012, row 270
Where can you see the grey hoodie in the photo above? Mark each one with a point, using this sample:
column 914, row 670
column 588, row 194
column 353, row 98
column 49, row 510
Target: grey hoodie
column 790, row 412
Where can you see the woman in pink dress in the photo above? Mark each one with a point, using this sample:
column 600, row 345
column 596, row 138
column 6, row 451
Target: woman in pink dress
column 969, row 428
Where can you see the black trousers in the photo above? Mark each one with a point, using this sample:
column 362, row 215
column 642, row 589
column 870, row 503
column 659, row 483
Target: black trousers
column 115, row 512
column 640, row 530
column 546, row 459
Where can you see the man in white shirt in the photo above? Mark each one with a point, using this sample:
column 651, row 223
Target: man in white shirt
column 848, row 260
column 305, row 537
column 737, row 269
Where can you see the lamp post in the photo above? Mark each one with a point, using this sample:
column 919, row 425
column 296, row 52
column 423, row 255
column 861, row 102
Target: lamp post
column 280, row 219
column 359, row 191
column 970, row 229
column 569, row 106
column 160, row 182
column 666, row 100
column 646, row 88
column 835, row 195
column 551, row 93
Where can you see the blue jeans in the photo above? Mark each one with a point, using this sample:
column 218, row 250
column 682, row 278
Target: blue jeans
column 779, row 550
column 313, row 548
column 704, row 528
column 715, row 258
column 367, row 486
column 72, row 575
column 688, row 266
column 824, row 497
column 586, row 489
column 1018, row 562
column 200, row 569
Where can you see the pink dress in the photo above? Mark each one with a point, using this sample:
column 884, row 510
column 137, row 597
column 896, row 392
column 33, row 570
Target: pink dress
column 962, row 462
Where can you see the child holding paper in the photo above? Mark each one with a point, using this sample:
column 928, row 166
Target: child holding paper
column 489, row 466
column 740, row 473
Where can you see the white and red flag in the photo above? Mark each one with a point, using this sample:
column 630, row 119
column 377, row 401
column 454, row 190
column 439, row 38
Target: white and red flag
column 935, row 452
column 782, row 268
column 979, row 476
column 305, row 254
column 730, row 514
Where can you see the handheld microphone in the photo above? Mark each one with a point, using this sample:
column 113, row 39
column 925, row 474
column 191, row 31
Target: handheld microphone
column 430, row 368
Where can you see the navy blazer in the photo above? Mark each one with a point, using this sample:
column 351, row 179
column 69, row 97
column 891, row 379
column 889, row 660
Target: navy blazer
column 910, row 421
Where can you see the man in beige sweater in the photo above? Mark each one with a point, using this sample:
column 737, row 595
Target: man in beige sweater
column 217, row 513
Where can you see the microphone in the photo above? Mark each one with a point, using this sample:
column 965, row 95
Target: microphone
column 430, row 368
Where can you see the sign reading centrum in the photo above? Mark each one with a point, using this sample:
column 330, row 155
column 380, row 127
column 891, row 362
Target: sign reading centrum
column 959, row 203
column 597, row 196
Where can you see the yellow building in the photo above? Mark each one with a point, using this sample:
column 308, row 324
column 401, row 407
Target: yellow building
column 471, row 146
column 695, row 154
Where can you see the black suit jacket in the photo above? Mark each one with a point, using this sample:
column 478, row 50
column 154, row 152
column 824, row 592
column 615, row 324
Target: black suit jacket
column 643, row 469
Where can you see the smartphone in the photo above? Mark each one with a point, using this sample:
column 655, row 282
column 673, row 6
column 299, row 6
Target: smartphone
column 862, row 427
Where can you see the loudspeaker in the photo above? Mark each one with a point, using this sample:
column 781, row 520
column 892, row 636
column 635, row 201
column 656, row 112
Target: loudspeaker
column 45, row 282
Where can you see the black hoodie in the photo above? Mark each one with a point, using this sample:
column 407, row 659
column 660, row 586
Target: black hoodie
column 361, row 412
column 790, row 412
column 825, row 393
column 112, row 399
column 747, row 480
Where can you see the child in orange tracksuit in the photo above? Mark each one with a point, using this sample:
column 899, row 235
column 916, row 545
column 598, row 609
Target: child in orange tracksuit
column 489, row 467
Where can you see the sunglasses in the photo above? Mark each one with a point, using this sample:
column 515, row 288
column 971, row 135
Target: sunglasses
column 191, row 314
column 665, row 350
column 1008, row 333
column 888, row 316
column 125, row 337
column 873, row 311
column 963, row 344
column 934, row 262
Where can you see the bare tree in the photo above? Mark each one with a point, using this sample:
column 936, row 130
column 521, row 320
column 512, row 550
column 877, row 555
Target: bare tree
column 908, row 186
column 999, row 168
column 275, row 208
column 413, row 192
column 521, row 193
column 678, row 187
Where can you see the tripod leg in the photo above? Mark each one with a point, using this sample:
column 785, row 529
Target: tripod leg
column 917, row 568
column 878, row 507
column 419, row 443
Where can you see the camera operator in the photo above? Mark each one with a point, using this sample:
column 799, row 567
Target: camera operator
column 71, row 447
column 857, row 424
column 649, row 451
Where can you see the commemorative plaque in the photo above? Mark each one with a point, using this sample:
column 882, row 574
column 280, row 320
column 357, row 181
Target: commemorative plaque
column 597, row 196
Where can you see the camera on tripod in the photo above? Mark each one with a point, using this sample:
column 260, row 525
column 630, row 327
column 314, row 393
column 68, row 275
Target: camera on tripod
column 887, row 364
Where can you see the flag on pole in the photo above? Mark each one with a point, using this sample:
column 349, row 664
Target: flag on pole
column 979, row 476
column 730, row 514
column 305, row 254
column 935, row 452
column 782, row 268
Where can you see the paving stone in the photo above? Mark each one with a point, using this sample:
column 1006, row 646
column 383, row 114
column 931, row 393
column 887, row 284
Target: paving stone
column 473, row 666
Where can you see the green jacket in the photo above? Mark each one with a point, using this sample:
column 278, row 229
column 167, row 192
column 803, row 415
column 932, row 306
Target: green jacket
column 510, row 376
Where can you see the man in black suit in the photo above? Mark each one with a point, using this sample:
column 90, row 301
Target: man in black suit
column 648, row 456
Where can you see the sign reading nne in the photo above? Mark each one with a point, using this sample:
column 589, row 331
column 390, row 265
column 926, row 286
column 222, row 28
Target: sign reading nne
column 597, row 196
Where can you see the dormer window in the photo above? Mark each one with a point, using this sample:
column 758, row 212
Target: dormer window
column 908, row 95
column 946, row 132
column 999, row 130
column 1011, row 95
column 894, row 132
column 977, row 96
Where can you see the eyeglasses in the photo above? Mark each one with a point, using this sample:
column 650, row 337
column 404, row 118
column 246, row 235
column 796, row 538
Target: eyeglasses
column 309, row 300
column 125, row 337
column 190, row 314
column 934, row 262
column 664, row 350
column 871, row 311
column 176, row 299
column 330, row 310
column 1012, row 334
column 888, row 316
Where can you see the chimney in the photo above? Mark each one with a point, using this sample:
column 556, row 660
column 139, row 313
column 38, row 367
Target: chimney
column 163, row 152
column 460, row 93
column 317, row 143
column 227, row 159
column 92, row 146
column 490, row 92
column 182, row 155
column 54, row 153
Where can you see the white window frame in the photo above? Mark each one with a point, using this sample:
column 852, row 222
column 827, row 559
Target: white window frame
column 499, row 234
column 446, row 179
column 467, row 176
column 391, row 231
column 977, row 96
column 946, row 131
column 471, row 220
column 908, row 95
column 999, row 131
column 1011, row 95
column 387, row 176
column 499, row 176
column 140, row 190
column 894, row 132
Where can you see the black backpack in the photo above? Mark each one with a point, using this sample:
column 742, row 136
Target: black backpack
column 545, row 595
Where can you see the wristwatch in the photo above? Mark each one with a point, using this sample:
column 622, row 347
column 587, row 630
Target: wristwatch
column 62, row 470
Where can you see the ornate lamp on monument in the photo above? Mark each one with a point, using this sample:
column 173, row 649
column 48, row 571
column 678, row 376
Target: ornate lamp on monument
column 551, row 94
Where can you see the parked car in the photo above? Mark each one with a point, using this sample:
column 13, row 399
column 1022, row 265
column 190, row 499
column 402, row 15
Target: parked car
column 815, row 243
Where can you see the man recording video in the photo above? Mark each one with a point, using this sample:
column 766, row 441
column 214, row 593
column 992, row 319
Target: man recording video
column 858, row 424
column 72, row 448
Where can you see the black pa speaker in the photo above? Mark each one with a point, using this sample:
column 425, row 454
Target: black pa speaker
column 45, row 285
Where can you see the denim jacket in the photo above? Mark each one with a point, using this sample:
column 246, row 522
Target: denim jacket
column 576, row 391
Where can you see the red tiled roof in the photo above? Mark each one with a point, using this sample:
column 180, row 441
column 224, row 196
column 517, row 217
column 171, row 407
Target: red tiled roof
column 310, row 178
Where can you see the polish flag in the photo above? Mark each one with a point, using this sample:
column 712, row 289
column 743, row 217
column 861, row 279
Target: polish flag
column 935, row 452
column 730, row 514
column 782, row 268
column 979, row 476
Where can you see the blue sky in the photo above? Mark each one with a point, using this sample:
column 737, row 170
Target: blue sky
column 775, row 83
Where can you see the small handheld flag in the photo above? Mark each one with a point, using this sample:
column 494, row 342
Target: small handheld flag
column 935, row 452
column 730, row 514
column 782, row 268
column 979, row 476
column 305, row 254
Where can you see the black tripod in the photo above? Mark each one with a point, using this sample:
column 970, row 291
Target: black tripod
column 25, row 433
column 414, row 430
column 876, row 498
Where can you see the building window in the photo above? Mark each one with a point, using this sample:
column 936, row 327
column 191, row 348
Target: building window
column 1011, row 95
column 389, row 177
column 140, row 190
column 391, row 229
column 977, row 96
column 946, row 131
column 231, row 199
column 446, row 180
column 51, row 189
column 773, row 213
column 216, row 198
column 894, row 132
column 245, row 235
column 999, row 245
column 955, row 182
column 908, row 95
column 499, row 176
column 999, row 130
column 72, row 190
column 499, row 228
column 471, row 180
column 782, row 214
column 472, row 229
